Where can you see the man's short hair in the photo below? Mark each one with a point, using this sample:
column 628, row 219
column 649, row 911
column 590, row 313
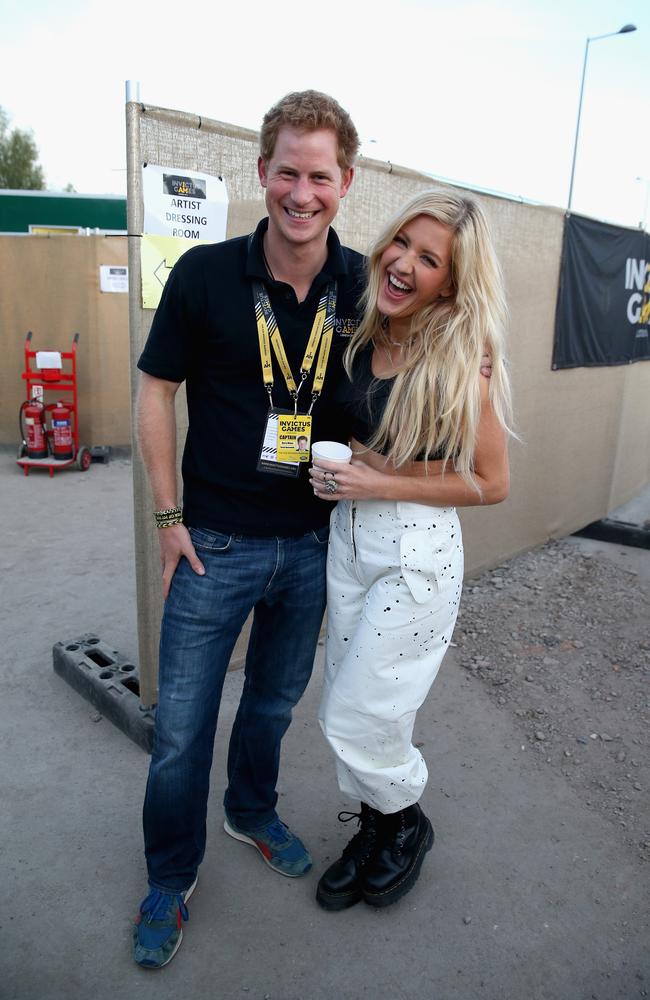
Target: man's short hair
column 310, row 110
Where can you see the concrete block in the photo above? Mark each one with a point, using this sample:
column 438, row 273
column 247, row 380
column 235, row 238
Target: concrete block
column 109, row 681
column 618, row 532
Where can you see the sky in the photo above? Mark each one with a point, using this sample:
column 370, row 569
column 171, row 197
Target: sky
column 481, row 93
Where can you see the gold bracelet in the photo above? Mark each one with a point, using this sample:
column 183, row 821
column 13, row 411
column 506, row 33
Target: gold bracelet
column 167, row 518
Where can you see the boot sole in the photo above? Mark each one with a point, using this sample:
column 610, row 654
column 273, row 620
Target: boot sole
column 340, row 902
column 409, row 878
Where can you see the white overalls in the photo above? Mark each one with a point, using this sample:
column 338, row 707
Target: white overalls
column 394, row 579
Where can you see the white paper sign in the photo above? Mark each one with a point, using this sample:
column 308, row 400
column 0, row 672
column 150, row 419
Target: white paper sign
column 185, row 204
column 48, row 359
column 113, row 278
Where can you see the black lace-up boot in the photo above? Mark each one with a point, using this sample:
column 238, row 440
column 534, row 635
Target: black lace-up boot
column 340, row 886
column 403, row 838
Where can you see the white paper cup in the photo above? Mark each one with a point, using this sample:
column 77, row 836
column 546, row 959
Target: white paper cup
column 331, row 451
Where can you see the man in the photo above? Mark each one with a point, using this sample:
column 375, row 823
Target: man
column 256, row 327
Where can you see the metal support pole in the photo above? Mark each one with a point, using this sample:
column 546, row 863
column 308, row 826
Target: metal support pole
column 575, row 143
column 148, row 591
column 132, row 92
column 626, row 29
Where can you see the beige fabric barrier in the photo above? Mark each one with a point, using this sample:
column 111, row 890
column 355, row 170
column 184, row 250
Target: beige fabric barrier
column 584, row 432
column 50, row 285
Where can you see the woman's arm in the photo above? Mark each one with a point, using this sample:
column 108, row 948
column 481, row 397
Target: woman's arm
column 372, row 478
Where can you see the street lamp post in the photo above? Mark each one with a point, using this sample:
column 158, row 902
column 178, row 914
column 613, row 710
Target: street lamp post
column 621, row 31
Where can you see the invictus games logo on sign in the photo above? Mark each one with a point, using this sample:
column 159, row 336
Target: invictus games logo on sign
column 603, row 308
column 637, row 280
column 184, row 187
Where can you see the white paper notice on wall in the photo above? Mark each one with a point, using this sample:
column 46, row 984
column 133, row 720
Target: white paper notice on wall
column 113, row 278
column 184, row 203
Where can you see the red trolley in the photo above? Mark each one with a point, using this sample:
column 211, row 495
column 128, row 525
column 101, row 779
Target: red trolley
column 57, row 445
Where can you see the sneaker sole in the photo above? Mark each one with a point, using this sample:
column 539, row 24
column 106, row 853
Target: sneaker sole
column 245, row 839
column 188, row 892
column 153, row 968
column 409, row 878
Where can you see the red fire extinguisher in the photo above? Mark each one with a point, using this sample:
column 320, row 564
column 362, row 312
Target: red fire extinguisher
column 61, row 432
column 33, row 414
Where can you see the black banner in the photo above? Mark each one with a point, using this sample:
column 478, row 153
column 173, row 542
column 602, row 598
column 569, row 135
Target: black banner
column 603, row 306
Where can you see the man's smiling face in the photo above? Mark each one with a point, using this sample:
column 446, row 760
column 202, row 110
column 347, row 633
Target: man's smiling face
column 304, row 184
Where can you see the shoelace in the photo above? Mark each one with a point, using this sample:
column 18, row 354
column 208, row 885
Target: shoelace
column 277, row 830
column 157, row 903
column 363, row 841
column 345, row 817
column 400, row 838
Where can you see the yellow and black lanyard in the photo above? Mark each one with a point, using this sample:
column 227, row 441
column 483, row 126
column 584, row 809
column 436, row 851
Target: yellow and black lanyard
column 320, row 341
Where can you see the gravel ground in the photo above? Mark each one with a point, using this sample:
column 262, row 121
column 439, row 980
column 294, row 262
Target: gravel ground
column 529, row 894
column 560, row 640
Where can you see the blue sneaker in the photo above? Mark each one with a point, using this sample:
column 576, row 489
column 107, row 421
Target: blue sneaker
column 282, row 851
column 158, row 930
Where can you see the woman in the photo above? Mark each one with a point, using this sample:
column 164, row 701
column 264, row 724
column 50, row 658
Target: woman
column 429, row 434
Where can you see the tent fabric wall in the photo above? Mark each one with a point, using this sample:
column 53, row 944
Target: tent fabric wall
column 50, row 285
column 581, row 449
column 584, row 433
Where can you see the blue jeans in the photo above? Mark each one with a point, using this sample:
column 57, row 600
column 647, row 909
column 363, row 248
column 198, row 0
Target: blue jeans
column 283, row 580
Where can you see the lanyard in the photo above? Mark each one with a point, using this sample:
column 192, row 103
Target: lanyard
column 320, row 340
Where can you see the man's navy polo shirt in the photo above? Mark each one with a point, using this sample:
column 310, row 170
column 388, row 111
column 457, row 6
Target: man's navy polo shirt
column 204, row 333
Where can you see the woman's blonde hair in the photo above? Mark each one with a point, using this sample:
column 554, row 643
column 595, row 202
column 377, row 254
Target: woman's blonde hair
column 434, row 403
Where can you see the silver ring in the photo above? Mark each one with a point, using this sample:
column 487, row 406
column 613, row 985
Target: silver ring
column 326, row 475
column 331, row 486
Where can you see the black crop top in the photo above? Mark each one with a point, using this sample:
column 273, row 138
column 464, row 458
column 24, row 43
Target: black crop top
column 362, row 399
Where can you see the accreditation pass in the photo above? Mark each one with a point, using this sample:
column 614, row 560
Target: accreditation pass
column 286, row 442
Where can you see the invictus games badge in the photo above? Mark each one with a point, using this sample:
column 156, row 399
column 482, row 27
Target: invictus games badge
column 345, row 326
